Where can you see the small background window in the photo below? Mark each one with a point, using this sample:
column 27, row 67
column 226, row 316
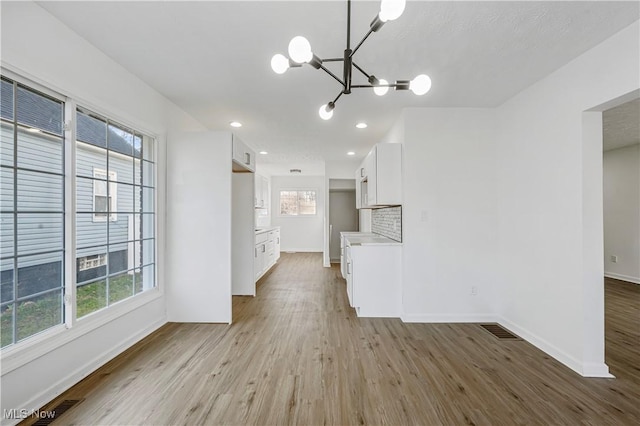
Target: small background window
column 105, row 202
column 297, row 203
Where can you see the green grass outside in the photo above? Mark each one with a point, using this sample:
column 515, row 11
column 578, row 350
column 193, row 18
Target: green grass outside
column 46, row 311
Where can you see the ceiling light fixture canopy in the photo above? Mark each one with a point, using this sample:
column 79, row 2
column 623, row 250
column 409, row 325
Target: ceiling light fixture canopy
column 300, row 53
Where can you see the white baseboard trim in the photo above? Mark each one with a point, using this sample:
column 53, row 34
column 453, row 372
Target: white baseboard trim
column 452, row 318
column 591, row 369
column 584, row 369
column 83, row 371
column 615, row 276
column 300, row 250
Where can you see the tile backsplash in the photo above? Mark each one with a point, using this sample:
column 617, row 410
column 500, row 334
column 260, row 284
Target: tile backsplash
column 387, row 222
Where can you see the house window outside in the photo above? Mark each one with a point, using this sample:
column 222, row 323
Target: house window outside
column 105, row 195
column 91, row 262
column 297, row 203
column 115, row 173
column 32, row 232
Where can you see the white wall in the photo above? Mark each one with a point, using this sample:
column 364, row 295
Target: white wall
column 299, row 233
column 199, row 227
column 621, row 185
column 509, row 200
column 345, row 169
column 37, row 46
column 550, row 203
column 449, row 214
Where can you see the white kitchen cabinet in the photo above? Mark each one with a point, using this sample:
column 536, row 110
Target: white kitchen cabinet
column 267, row 250
column 373, row 274
column 260, row 254
column 244, row 158
column 348, row 268
column 277, row 243
column 379, row 177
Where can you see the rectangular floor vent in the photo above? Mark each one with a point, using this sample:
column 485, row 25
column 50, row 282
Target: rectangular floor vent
column 499, row 332
column 49, row 416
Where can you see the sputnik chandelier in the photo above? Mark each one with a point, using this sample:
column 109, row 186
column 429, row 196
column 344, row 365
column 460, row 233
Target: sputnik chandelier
column 300, row 53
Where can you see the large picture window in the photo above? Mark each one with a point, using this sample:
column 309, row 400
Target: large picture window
column 297, row 203
column 114, row 227
column 31, row 212
column 115, row 217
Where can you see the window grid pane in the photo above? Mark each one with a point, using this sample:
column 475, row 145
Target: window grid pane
column 38, row 111
column 6, row 143
column 40, row 151
column 6, row 100
column 39, row 313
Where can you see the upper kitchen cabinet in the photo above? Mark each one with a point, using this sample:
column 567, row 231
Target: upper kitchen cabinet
column 244, row 158
column 379, row 177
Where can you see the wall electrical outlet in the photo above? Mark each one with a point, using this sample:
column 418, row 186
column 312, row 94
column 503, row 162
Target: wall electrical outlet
column 474, row 290
column 614, row 259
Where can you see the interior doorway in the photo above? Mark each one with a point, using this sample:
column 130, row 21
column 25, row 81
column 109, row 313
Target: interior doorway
column 621, row 217
column 343, row 215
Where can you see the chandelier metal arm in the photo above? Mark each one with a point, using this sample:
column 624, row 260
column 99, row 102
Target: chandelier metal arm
column 333, row 60
column 371, row 86
column 323, row 68
column 338, row 97
column 361, row 41
column 361, row 70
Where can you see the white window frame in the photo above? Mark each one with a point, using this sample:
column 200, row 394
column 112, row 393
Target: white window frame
column 297, row 190
column 100, row 176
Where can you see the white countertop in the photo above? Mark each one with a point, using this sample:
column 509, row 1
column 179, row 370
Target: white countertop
column 370, row 239
column 357, row 234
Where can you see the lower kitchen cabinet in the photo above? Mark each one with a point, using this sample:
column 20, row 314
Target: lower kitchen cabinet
column 266, row 251
column 373, row 279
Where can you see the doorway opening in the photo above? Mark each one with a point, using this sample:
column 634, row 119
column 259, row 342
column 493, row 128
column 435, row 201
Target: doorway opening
column 343, row 215
column 621, row 230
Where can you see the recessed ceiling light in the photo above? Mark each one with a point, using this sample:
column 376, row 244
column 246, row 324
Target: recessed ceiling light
column 263, row 152
column 235, row 124
column 33, row 130
column 351, row 153
column 361, row 125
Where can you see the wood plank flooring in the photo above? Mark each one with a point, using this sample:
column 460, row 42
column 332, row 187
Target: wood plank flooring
column 622, row 329
column 297, row 354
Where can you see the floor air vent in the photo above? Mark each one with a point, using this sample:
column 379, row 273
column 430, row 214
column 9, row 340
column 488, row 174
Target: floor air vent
column 54, row 413
column 499, row 332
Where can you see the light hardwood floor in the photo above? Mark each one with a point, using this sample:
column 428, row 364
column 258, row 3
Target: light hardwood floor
column 622, row 329
column 297, row 354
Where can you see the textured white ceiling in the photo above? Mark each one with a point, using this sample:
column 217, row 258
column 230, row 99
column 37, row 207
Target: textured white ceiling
column 212, row 59
column 621, row 125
